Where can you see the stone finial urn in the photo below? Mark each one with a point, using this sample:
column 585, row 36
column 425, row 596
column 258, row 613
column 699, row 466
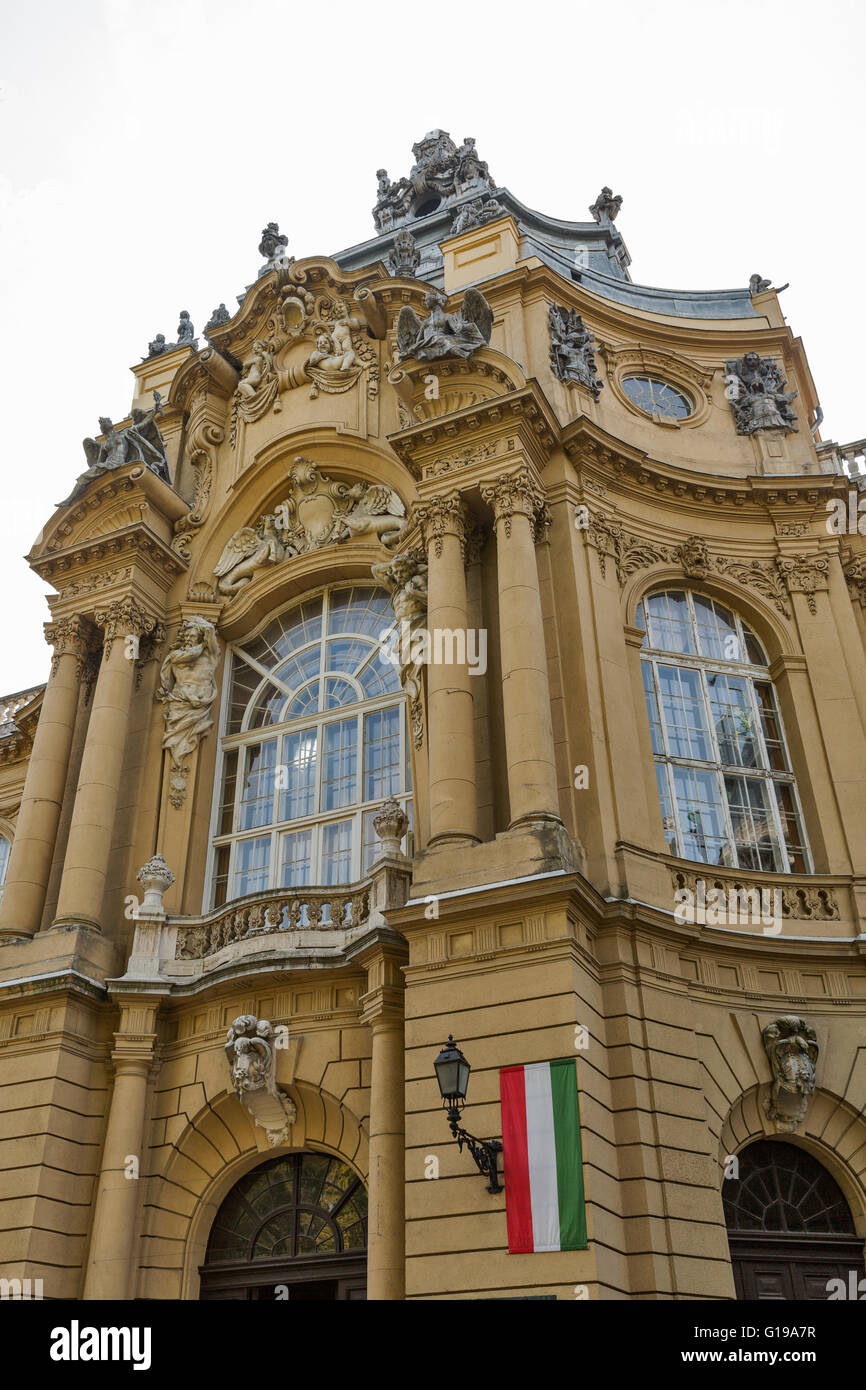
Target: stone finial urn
column 155, row 878
column 391, row 824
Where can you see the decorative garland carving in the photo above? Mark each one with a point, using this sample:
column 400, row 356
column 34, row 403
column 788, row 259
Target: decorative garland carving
column 805, row 574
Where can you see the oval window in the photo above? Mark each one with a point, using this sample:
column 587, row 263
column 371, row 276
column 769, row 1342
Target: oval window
column 656, row 397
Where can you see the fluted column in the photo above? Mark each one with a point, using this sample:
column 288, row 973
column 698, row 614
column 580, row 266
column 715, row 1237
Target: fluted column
column 36, row 831
column 112, row 1242
column 450, row 704
column 88, row 848
column 518, row 506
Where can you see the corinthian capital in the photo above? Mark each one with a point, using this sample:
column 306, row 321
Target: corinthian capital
column 124, row 618
column 514, row 494
column 440, row 516
column 67, row 635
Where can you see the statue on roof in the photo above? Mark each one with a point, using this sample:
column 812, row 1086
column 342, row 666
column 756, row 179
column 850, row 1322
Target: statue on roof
column 441, row 171
column 476, row 214
column 138, row 442
column 442, row 334
column 157, row 347
column 185, row 330
column 219, row 315
column 404, row 257
column 606, row 207
column 273, row 247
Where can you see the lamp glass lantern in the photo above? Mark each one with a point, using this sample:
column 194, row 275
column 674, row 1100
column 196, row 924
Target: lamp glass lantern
column 452, row 1073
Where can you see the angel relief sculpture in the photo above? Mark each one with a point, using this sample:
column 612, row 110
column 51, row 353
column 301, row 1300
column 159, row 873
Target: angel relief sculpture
column 248, row 550
column 442, row 334
column 318, row 511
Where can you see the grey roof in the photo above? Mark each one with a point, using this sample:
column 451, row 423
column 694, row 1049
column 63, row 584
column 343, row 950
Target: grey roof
column 589, row 253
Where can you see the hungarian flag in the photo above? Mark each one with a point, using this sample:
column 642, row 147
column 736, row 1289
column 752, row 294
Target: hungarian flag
column 544, row 1202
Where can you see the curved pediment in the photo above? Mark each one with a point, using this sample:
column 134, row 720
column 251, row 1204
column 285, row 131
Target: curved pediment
column 294, row 506
column 428, row 390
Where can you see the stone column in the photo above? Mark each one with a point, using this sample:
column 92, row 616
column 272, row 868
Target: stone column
column 88, row 848
column 386, row 1228
column 36, row 832
column 112, row 1243
column 518, row 506
column 450, row 707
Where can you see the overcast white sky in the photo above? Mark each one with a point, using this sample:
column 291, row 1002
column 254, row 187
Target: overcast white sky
column 145, row 145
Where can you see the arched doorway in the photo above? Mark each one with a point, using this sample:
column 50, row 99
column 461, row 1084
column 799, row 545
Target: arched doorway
column 296, row 1228
column 790, row 1229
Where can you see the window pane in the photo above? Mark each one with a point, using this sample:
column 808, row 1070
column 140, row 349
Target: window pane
column 251, row 865
column 752, row 823
column 771, row 727
column 346, row 654
column 299, row 669
column 652, row 707
column 381, row 753
column 337, row 852
column 670, row 624
column 754, row 651
column 257, row 797
column 717, row 632
column 268, row 707
column 733, row 719
column 295, row 858
column 340, row 764
column 363, row 609
column 305, row 702
column 221, row 875
column 225, row 821
column 298, row 797
column 244, row 682
column 338, row 692
column 684, row 713
column 668, row 820
column 792, row 829
column 700, row 816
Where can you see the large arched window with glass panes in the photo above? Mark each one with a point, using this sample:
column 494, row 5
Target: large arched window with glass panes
column 726, row 786
column 314, row 739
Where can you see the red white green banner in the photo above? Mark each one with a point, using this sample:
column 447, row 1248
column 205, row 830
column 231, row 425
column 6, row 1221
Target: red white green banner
column 544, row 1200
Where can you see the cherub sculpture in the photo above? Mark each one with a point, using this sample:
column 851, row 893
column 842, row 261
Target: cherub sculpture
column 377, row 511
column 248, row 551
column 442, row 334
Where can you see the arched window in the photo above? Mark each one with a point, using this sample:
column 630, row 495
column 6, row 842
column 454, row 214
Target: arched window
column 314, row 740
column 5, row 849
column 790, row 1230
column 727, row 792
column 298, row 1221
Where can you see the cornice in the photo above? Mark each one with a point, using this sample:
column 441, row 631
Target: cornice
column 524, row 414
column 636, row 473
column 84, row 562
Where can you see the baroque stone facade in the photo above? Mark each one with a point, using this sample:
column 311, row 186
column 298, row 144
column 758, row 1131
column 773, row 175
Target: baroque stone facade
column 439, row 656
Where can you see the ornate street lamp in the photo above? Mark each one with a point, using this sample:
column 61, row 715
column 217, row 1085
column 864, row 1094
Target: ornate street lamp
column 452, row 1073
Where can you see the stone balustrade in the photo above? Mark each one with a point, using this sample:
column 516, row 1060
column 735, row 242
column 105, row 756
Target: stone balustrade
column 279, row 910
